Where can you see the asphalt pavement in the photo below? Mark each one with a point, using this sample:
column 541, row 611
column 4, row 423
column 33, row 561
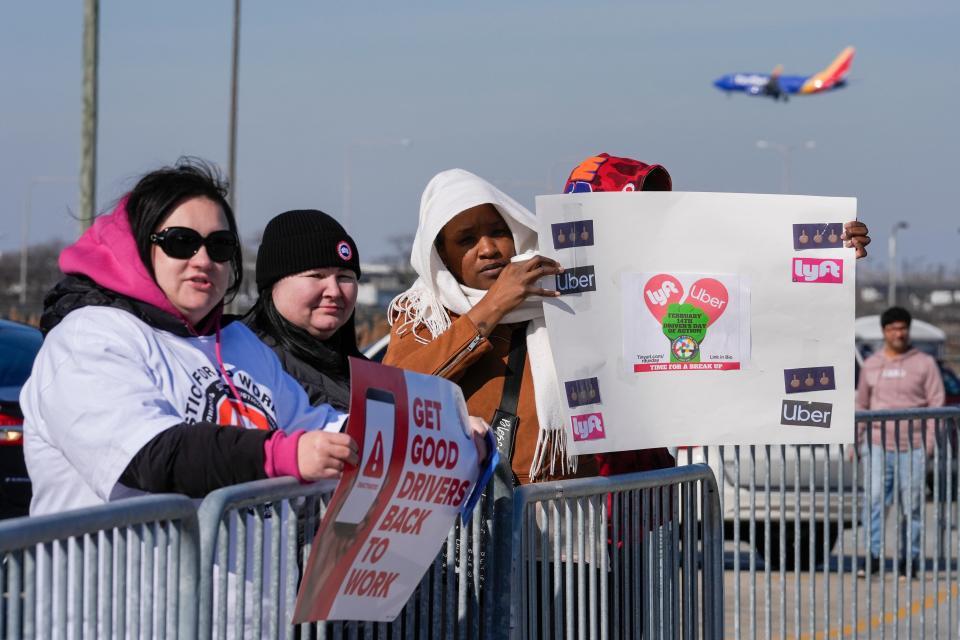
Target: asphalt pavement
column 833, row 602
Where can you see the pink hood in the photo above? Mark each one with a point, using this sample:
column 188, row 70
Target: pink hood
column 107, row 254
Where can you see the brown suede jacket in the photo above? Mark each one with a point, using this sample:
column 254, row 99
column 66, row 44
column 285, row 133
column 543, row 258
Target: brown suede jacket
column 479, row 366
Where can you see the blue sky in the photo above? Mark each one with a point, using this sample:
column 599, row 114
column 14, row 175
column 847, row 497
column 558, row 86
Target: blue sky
column 518, row 93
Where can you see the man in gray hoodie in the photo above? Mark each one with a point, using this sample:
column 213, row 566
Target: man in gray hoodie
column 898, row 377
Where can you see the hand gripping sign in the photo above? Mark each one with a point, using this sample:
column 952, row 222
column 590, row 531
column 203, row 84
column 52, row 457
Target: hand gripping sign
column 389, row 515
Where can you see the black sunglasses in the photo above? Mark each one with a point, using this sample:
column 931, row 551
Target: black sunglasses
column 183, row 242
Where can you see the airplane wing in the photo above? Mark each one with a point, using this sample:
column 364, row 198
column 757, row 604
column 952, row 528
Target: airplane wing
column 832, row 75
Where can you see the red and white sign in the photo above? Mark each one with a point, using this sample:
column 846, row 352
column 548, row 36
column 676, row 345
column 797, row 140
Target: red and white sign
column 687, row 366
column 389, row 515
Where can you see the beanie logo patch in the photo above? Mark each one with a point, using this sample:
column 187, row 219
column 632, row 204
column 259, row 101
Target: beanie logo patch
column 344, row 250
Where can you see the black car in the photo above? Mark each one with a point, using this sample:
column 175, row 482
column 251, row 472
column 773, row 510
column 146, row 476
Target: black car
column 19, row 345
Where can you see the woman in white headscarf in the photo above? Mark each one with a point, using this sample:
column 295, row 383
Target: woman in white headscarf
column 478, row 288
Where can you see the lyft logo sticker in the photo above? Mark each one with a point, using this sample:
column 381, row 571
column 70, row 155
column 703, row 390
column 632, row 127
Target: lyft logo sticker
column 567, row 235
column 588, row 426
column 827, row 270
column 576, row 280
column 806, row 414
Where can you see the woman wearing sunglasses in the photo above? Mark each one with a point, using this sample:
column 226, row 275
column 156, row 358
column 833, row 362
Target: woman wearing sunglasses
column 139, row 373
column 307, row 272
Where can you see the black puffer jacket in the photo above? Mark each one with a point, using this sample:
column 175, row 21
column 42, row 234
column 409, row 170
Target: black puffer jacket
column 331, row 386
column 322, row 367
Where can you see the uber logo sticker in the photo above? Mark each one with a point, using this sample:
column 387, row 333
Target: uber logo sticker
column 572, row 234
column 581, row 392
column 806, row 414
column 576, row 280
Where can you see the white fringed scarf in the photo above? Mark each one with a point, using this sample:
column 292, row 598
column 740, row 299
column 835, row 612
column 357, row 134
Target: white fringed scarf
column 436, row 291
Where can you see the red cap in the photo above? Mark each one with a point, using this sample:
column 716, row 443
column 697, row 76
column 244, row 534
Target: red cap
column 609, row 173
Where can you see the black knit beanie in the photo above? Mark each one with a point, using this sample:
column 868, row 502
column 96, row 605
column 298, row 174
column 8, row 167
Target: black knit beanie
column 300, row 240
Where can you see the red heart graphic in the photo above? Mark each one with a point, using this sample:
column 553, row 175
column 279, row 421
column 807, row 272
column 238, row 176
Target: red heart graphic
column 661, row 291
column 711, row 296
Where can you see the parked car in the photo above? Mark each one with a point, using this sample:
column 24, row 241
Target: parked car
column 791, row 469
column 19, row 345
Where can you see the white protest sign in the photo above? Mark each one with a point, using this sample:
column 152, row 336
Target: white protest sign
column 700, row 318
column 389, row 515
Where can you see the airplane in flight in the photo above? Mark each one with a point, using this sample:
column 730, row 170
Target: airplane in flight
column 779, row 87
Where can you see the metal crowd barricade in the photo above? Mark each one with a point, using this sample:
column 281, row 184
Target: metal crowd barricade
column 154, row 567
column 629, row 556
column 796, row 543
column 256, row 538
column 123, row 569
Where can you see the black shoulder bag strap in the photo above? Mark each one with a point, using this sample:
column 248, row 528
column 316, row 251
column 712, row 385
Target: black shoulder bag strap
column 505, row 420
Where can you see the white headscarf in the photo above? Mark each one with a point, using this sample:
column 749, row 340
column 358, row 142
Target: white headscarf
column 425, row 304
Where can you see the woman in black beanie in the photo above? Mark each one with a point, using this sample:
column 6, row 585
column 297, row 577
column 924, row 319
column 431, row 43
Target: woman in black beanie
column 307, row 272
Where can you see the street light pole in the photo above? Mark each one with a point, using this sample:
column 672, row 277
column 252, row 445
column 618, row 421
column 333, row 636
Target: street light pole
column 232, row 143
column 348, row 170
column 892, row 253
column 785, row 151
column 88, row 129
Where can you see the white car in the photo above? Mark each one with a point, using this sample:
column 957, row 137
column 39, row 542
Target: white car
column 793, row 473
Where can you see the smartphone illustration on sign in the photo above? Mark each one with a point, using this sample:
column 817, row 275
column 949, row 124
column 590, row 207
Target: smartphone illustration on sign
column 377, row 449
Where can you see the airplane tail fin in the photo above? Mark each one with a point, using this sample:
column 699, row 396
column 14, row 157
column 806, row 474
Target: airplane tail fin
column 834, row 74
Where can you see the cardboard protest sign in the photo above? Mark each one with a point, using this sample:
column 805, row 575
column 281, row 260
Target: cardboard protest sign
column 389, row 515
column 700, row 318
